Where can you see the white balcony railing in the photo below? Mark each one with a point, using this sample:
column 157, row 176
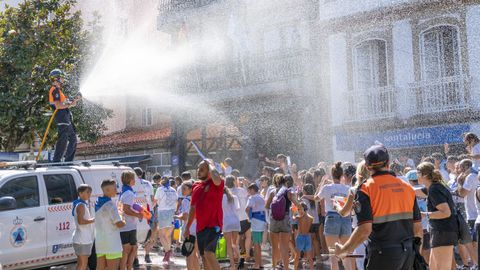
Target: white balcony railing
column 371, row 104
column 440, row 95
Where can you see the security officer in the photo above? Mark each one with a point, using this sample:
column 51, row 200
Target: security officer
column 388, row 215
column 63, row 118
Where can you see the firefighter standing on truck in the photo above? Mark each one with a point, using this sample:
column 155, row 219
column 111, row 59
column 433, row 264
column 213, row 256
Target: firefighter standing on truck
column 63, row 118
column 388, row 215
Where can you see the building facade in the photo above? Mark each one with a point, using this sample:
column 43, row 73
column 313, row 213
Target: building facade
column 257, row 68
column 403, row 73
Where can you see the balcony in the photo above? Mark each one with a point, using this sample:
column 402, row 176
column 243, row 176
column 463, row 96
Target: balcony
column 169, row 10
column 166, row 6
column 371, row 104
column 440, row 95
column 251, row 70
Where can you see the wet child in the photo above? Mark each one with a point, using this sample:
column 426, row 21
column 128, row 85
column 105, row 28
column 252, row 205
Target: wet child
column 303, row 241
column 84, row 233
column 193, row 259
column 128, row 233
column 108, row 222
column 257, row 214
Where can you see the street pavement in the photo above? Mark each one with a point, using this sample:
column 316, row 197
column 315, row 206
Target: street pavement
column 180, row 263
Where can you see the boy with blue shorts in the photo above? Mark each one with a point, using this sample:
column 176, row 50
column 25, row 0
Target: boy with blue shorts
column 257, row 214
column 303, row 242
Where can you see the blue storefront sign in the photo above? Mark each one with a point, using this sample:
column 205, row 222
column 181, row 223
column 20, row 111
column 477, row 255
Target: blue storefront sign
column 403, row 138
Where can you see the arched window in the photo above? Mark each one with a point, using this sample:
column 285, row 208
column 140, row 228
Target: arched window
column 440, row 53
column 370, row 65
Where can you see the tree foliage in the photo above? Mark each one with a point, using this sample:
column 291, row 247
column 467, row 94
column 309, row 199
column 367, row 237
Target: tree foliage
column 36, row 37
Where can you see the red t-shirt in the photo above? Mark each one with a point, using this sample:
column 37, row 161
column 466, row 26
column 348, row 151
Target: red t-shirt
column 207, row 200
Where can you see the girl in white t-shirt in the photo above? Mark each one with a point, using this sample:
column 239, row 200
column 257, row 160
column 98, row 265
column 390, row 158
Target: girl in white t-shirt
column 231, row 225
column 337, row 228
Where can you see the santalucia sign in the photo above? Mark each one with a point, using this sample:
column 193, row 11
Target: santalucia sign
column 402, row 138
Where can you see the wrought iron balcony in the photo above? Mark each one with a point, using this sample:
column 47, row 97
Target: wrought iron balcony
column 371, row 104
column 166, row 6
column 440, row 95
column 250, row 70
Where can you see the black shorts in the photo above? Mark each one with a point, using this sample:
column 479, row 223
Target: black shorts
column 314, row 228
column 207, row 240
column 244, row 226
column 473, row 232
column 321, row 219
column 129, row 238
column 443, row 239
column 426, row 240
column 465, row 234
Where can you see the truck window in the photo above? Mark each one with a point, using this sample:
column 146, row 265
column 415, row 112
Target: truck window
column 24, row 190
column 60, row 188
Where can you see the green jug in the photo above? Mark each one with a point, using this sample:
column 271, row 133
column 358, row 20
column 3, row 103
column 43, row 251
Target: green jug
column 221, row 251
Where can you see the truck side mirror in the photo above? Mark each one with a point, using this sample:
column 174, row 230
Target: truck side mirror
column 7, row 203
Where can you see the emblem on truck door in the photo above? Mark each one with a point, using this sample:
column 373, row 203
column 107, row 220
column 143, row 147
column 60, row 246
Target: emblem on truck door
column 18, row 234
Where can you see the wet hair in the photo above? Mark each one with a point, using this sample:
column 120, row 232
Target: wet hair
column 188, row 184
column 83, row 188
column 437, row 156
column 308, row 178
column 230, row 181
column 466, row 164
column 266, row 178
column 228, row 160
column 156, row 177
column 337, row 170
column 427, row 169
column 269, row 169
column 138, row 171
column 309, row 189
column 178, row 180
column 186, row 175
column 349, row 169
column 428, row 159
column 397, row 168
column 320, row 172
column 278, row 180
column 362, row 173
column 229, row 194
column 253, row 187
column 108, row 182
column 471, row 137
column 452, row 159
column 288, row 180
column 127, row 177
column 282, row 156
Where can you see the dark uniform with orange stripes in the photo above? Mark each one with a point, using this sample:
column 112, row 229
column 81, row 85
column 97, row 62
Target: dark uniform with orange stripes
column 65, row 127
column 389, row 204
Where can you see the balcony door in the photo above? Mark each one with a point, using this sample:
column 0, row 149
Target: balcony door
column 371, row 97
column 442, row 87
column 370, row 65
column 440, row 53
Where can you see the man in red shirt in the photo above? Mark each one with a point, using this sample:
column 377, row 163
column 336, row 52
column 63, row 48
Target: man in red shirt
column 206, row 208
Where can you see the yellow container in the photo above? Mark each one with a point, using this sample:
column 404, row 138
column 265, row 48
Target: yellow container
column 176, row 234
